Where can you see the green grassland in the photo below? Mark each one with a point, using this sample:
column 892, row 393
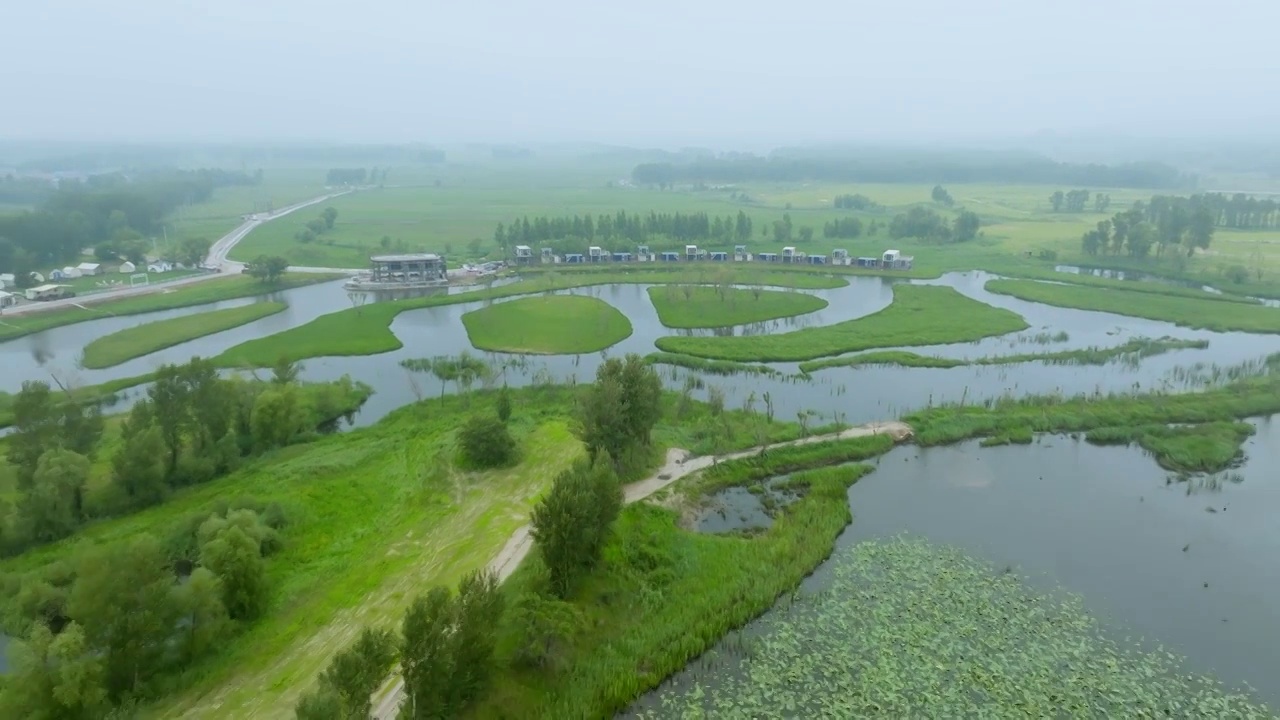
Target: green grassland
column 375, row 516
column 200, row 293
column 1185, row 311
column 366, row 330
column 1137, row 349
column 130, row 343
column 552, row 325
column 712, row 307
column 223, row 212
column 629, row 641
column 918, row 315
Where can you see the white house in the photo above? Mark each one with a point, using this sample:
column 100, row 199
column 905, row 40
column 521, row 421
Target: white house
column 128, row 267
column 7, row 280
column 89, row 268
column 7, row 299
column 37, row 278
column 159, row 266
column 71, row 273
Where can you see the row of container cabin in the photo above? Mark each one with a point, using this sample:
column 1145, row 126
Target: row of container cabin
column 892, row 259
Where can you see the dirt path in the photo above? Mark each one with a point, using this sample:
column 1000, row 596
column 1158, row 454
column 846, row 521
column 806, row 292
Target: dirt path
column 679, row 464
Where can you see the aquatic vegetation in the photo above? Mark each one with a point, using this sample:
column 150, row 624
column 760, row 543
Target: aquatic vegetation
column 918, row 315
column 904, row 628
column 1209, row 313
column 694, row 306
column 550, row 325
column 1194, row 448
column 1130, row 352
column 714, row 367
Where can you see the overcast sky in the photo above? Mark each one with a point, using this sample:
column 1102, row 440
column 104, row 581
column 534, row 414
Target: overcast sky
column 657, row 71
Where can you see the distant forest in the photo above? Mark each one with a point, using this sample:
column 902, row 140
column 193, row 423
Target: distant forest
column 914, row 168
column 115, row 208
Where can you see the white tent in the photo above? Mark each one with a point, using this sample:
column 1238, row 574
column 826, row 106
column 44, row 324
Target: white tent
column 128, row 267
column 70, row 273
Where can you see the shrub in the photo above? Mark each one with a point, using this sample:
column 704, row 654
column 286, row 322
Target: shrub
column 486, row 443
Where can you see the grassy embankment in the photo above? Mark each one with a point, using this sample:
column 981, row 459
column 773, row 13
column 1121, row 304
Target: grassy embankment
column 1211, row 442
column 713, row 307
column 918, row 315
column 665, row 595
column 552, row 325
column 376, row 515
column 715, row 367
column 228, row 288
column 366, row 330
column 147, row 338
column 1190, row 312
column 1136, row 349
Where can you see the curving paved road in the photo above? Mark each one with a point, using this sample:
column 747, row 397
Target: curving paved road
column 217, row 258
column 680, row 463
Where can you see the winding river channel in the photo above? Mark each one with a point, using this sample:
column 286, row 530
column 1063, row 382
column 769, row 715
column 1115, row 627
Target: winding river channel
column 1194, row 571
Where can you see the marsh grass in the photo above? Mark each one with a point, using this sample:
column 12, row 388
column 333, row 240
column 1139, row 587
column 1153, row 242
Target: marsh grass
column 1130, row 353
column 918, row 315
column 1193, row 312
column 1209, row 447
column 714, row 307
column 144, row 339
column 713, row 367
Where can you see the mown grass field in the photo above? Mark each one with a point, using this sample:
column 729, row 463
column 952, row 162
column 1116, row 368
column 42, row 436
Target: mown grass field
column 1185, row 311
column 553, row 325
column 918, row 315
column 209, row 291
column 712, row 307
column 366, row 330
column 147, row 338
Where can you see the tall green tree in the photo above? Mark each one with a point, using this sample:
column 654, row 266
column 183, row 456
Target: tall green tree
column 236, row 558
column 55, row 677
column 52, row 507
column 35, row 429
column 477, row 613
column 571, row 523
column 347, row 684
column 426, row 656
column 121, row 598
column 202, row 618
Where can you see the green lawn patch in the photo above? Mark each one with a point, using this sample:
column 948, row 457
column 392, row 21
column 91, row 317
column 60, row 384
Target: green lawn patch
column 918, row 315
column 200, row 293
column 692, row 306
column 147, row 338
column 1135, row 349
column 1186, row 311
column 551, row 325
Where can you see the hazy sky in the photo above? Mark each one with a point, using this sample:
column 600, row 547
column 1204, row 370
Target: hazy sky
column 658, row 71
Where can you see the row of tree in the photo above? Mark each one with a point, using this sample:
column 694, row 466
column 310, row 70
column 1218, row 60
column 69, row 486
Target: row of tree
column 843, row 228
column 854, row 202
column 193, row 426
column 885, row 168
column 925, row 224
column 1077, row 201
column 1165, row 224
column 1238, row 211
column 114, row 208
column 635, row 227
column 104, row 630
column 347, row 176
column 318, row 226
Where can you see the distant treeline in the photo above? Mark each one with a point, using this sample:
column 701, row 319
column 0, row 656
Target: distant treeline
column 58, row 157
column 1077, row 201
column 111, row 207
column 855, row 202
column 889, row 169
column 1238, row 211
column 1164, row 223
column 635, row 227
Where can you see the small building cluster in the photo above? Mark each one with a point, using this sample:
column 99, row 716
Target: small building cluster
column 890, row 260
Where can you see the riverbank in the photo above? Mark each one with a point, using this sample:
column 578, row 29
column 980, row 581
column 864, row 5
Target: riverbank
column 222, row 288
column 147, row 338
